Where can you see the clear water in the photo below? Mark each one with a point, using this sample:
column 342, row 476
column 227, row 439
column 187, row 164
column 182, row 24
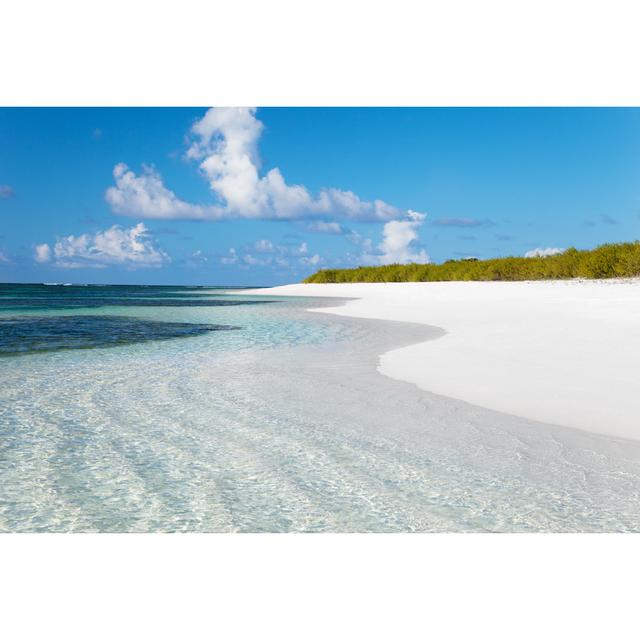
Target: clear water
column 131, row 415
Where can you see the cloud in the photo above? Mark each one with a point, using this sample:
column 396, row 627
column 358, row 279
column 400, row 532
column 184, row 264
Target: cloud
column 359, row 241
column 196, row 259
column 230, row 258
column 42, row 253
column 313, row 260
column 462, row 222
column 266, row 253
column 398, row 241
column 6, row 192
column 4, row 258
column 225, row 144
column 334, row 228
column 131, row 248
column 320, row 226
column 606, row 219
column 264, row 246
column 146, row 196
column 543, row 253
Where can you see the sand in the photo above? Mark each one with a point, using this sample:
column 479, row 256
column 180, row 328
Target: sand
column 564, row 352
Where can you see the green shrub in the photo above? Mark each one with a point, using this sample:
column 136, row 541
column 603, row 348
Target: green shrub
column 606, row 261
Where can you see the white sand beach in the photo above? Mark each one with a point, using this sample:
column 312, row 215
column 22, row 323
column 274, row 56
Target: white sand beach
column 563, row 352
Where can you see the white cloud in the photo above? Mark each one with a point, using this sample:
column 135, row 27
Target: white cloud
column 146, row 196
column 132, row 248
column 230, row 258
column 355, row 238
column 313, row 260
column 334, row 228
column 42, row 253
column 398, row 241
column 225, row 144
column 4, row 258
column 543, row 253
column 264, row 246
column 266, row 253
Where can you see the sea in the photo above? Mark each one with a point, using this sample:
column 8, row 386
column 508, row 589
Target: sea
column 204, row 409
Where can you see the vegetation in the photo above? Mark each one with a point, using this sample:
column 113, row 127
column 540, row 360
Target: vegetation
column 606, row 261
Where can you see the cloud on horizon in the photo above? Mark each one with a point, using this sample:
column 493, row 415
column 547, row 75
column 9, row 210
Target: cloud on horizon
column 265, row 253
column 131, row 248
column 399, row 241
column 543, row 253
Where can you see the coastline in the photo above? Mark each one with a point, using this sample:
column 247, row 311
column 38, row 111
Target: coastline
column 288, row 426
column 557, row 352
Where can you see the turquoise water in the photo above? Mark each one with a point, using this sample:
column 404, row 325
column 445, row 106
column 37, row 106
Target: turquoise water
column 187, row 409
column 40, row 318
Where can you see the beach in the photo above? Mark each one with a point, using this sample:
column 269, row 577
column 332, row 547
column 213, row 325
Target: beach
column 266, row 417
column 560, row 352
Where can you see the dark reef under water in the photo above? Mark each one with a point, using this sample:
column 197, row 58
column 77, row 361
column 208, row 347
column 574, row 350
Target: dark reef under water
column 20, row 335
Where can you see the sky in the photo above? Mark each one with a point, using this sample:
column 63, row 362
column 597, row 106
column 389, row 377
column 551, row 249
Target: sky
column 244, row 196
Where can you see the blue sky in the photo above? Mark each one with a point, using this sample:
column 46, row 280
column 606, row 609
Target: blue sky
column 267, row 196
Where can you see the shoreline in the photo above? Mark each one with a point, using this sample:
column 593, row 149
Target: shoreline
column 558, row 352
column 293, row 434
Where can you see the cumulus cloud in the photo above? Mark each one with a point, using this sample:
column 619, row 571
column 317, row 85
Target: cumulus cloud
column 266, row 253
column 313, row 260
column 543, row 253
column 131, row 248
column 6, row 192
column 224, row 143
column 146, row 196
column 230, row 258
column 42, row 253
column 264, row 246
column 399, row 241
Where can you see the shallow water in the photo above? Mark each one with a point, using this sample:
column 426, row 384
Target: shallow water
column 281, row 425
column 21, row 335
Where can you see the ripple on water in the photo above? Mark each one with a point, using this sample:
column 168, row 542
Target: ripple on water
column 283, row 426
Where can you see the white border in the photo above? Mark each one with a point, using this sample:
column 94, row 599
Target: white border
column 319, row 586
column 332, row 52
